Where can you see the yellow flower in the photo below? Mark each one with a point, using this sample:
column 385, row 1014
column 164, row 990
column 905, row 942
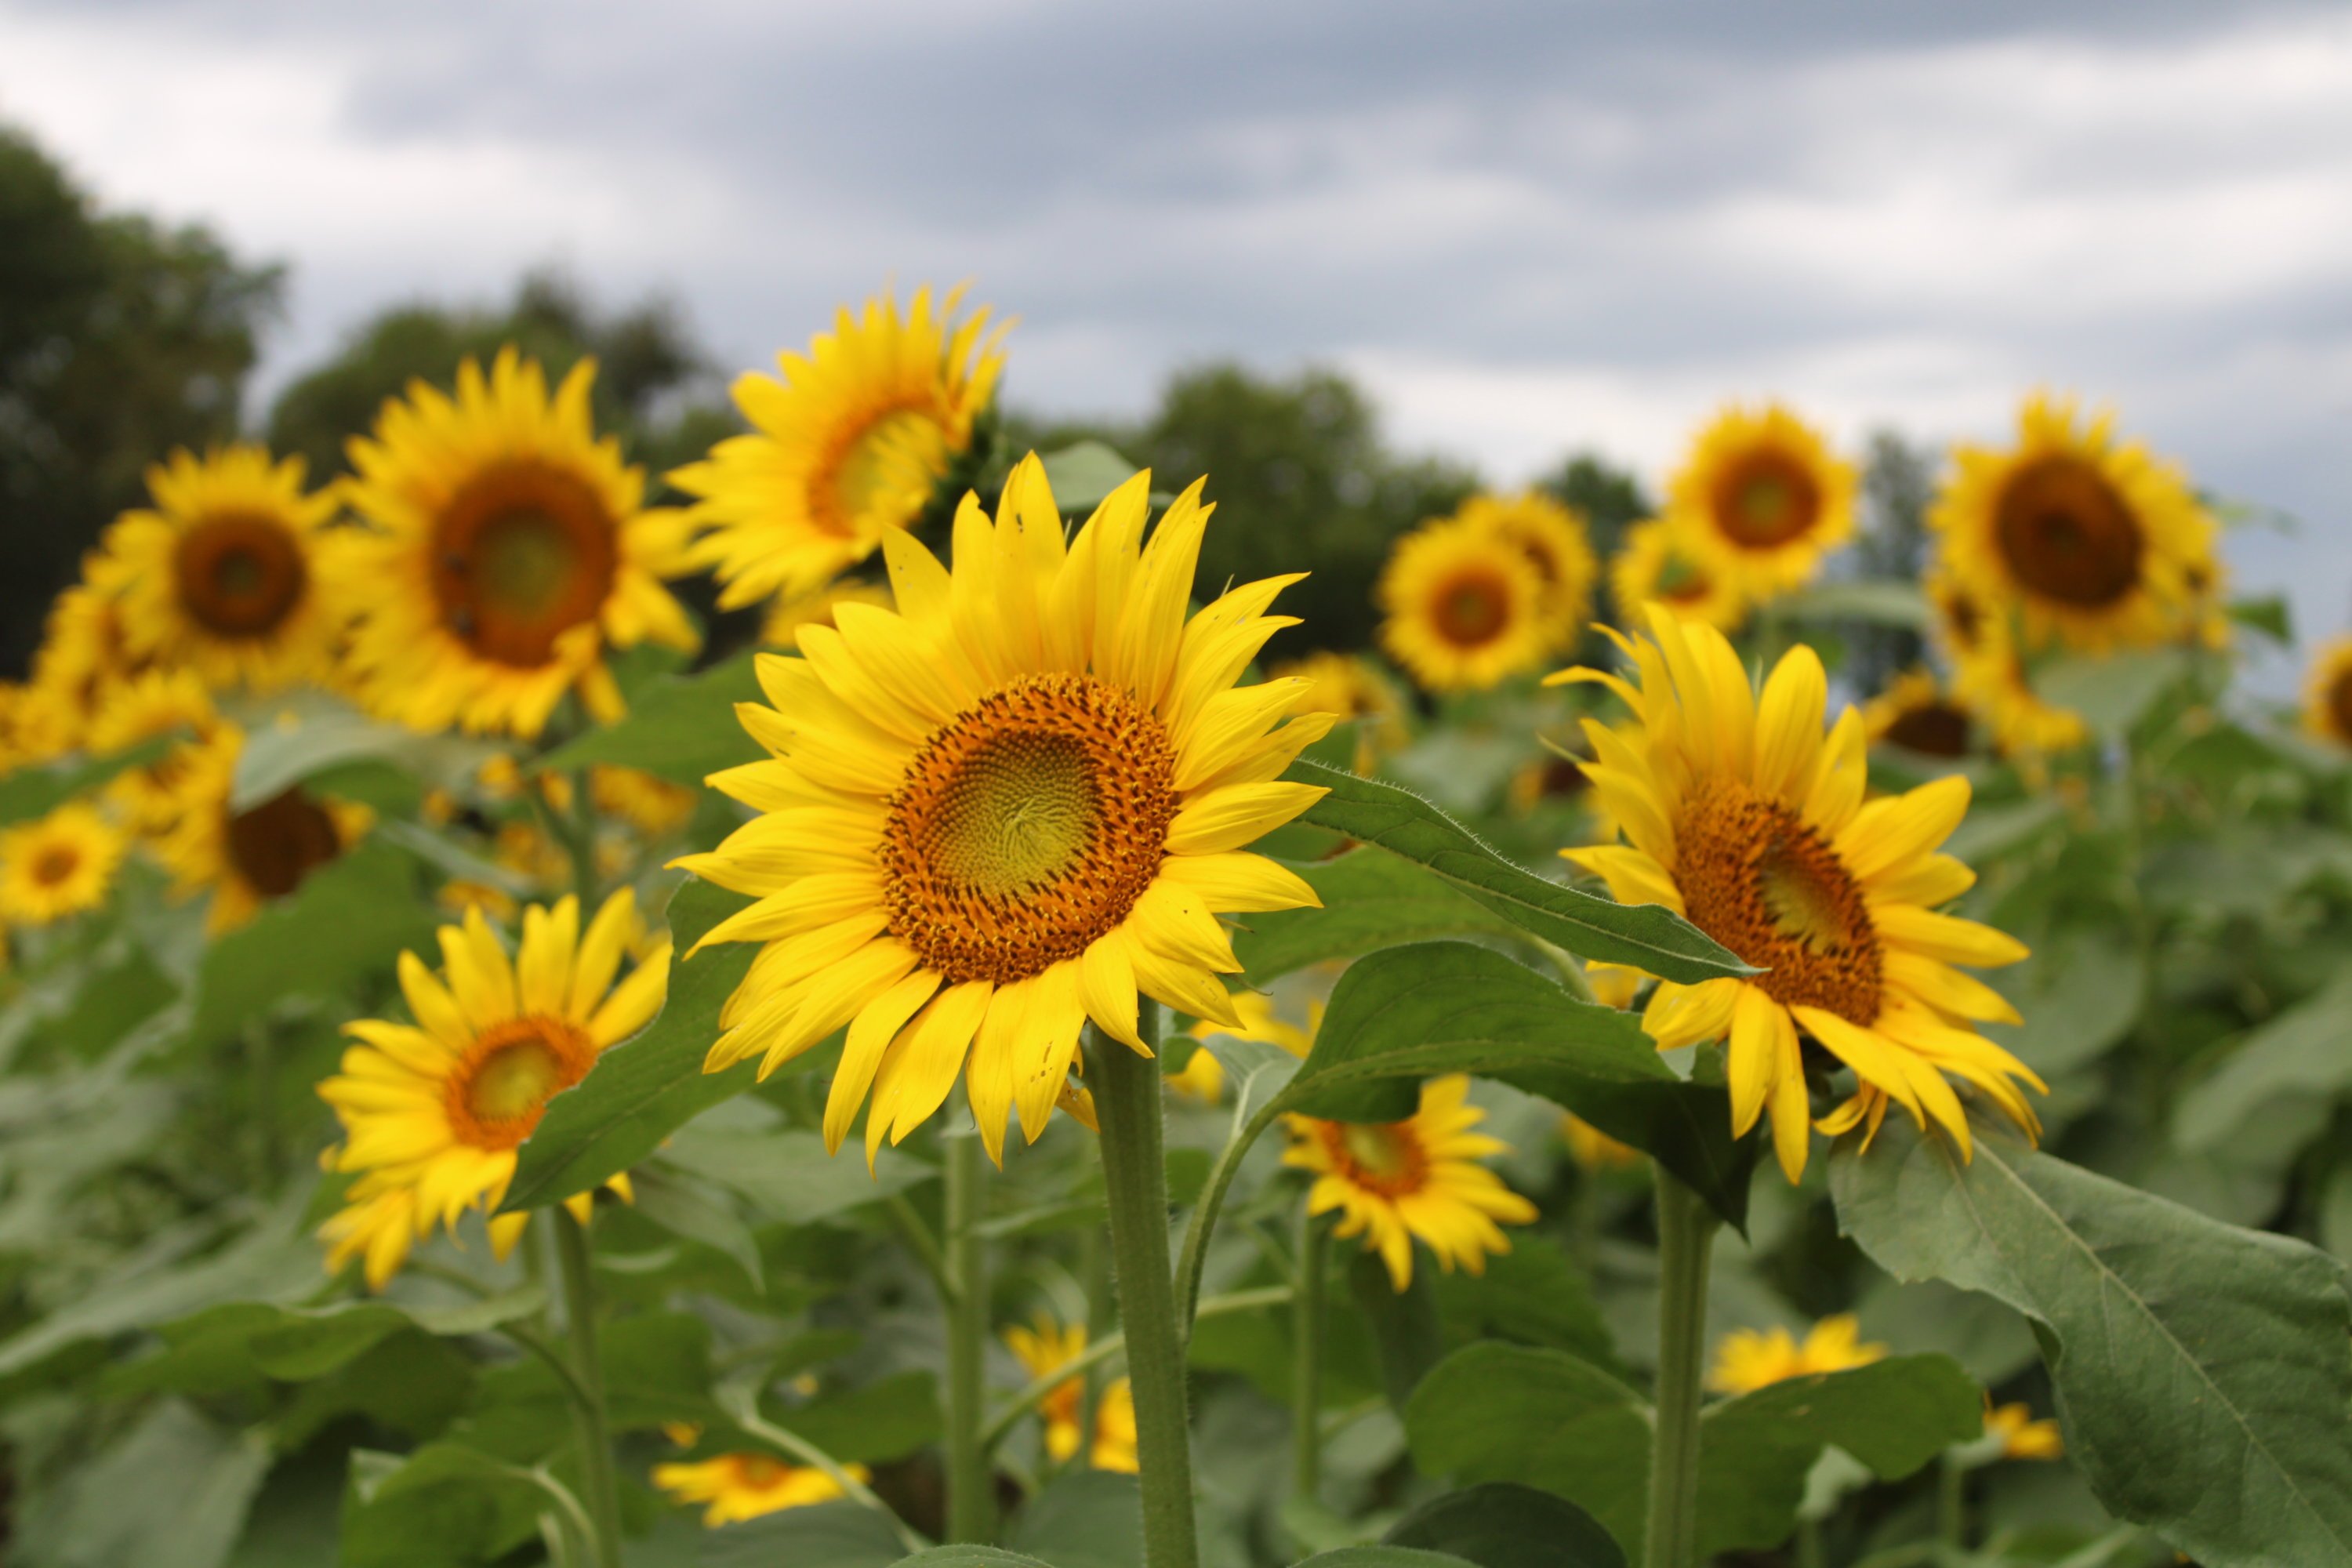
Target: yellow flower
column 84, row 654
column 1046, row 1348
column 1613, row 984
column 1915, row 713
column 1746, row 1360
column 786, row 615
column 1989, row 678
column 2095, row 543
column 2327, row 692
column 846, row 449
column 1762, row 499
column 1740, row 817
column 433, row 1112
column 141, row 708
column 58, row 865
column 654, row 807
column 510, row 547
column 222, row 575
column 1464, row 612
column 1654, row 565
column 1594, row 1150
column 1204, row 1077
column 1350, row 687
column 246, row 858
column 1553, row 539
column 1395, row 1181
column 1007, row 807
column 2021, row 1436
column 737, row 1487
column 39, row 723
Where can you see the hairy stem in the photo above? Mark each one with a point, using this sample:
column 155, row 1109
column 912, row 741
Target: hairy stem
column 971, row 1480
column 599, row 1481
column 1685, row 1230
column 1307, row 1357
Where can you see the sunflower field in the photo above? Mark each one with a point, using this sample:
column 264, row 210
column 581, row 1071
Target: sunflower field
column 1010, row 1072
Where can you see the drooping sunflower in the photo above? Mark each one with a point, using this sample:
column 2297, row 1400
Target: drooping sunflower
column 1395, row 1181
column 1761, row 499
column 223, row 575
column 1739, row 815
column 1917, row 714
column 139, row 709
column 1556, row 542
column 1654, row 566
column 245, row 859
column 732, row 1488
column 1746, row 1359
column 433, row 1111
column 2327, row 692
column 1351, row 687
column 58, row 865
column 2096, row 543
column 1464, row 611
column 1046, row 1348
column 1006, row 808
column 510, row 547
column 846, row 449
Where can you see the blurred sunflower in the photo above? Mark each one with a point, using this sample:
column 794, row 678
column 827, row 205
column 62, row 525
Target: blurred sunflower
column 847, row 449
column 1594, row 1150
column 1553, row 776
column 1351, row 687
column 1915, row 713
column 781, row 626
column 1988, row 674
column 58, row 865
column 2095, row 542
column 245, row 859
column 1007, row 807
column 1746, row 1359
column 84, row 653
column 1204, row 1077
column 2021, row 1436
column 1464, row 612
column 39, row 723
column 1554, row 540
column 433, row 1112
column 1045, row 1349
column 1654, row 566
column 2327, row 692
column 510, row 547
column 222, row 575
column 139, row 709
column 1742, row 818
column 652, row 805
column 1762, row 499
column 733, row 1488
column 1394, row 1182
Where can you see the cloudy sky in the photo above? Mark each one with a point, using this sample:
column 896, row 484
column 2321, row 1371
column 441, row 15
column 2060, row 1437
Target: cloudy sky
column 1526, row 227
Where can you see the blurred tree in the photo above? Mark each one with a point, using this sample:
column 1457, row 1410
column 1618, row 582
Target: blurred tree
column 1610, row 497
column 120, row 339
column 1898, row 480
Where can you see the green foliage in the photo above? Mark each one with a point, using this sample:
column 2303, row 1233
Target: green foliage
column 680, row 728
column 828, row 1535
column 1500, row 1525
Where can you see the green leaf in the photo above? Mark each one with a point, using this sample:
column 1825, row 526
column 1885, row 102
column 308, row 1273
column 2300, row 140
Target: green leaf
column 1884, row 604
column 173, row 1489
column 1370, row 900
column 1085, row 472
column 36, row 791
column 788, row 1176
column 887, row 1419
column 2268, row 615
column 2079, row 993
column 970, row 1557
column 1405, row 1333
column 1532, row 1294
column 826, row 1535
column 276, row 758
column 681, row 728
column 1085, row 1518
column 1502, row 1525
column 2112, row 691
column 1385, row 1557
column 690, row 1209
column 657, row 1369
column 645, row 1088
column 2183, row 1350
column 444, row 1504
column 2299, row 1052
column 347, row 920
column 1397, row 820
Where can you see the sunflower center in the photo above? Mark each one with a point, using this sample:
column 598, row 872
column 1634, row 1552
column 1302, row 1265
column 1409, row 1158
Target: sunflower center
column 884, row 473
column 1473, row 607
column 1680, row 581
column 1383, row 1157
column 1764, row 883
column 54, row 864
column 1027, row 826
column 502, row 1085
column 239, row 574
column 1932, row 730
column 522, row 554
column 759, row 1472
column 282, row 840
column 2067, row 535
column 2339, row 703
column 1766, row 498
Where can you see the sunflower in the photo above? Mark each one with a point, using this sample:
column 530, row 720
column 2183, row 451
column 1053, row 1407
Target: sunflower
column 1464, row 613
column 1204, row 1077
column 1043, row 1349
column 433, row 1112
column 2327, row 692
column 733, row 1488
column 654, row 807
column 1005, row 808
column 58, row 865
column 39, row 723
column 246, row 858
column 1740, row 817
column 1554, row 540
column 2096, row 543
column 1916, row 714
column 1761, row 499
column 510, row 547
column 141, row 709
column 1654, row 565
column 2021, row 1436
column 1594, row 1150
column 1990, row 679
column 1396, row 1181
column 1746, row 1360
column 1351, row 687
column 846, row 449
column 787, row 615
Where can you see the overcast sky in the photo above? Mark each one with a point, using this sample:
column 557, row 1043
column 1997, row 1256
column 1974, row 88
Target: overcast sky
column 1527, row 228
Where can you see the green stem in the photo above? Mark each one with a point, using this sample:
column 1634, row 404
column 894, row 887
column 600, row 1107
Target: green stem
column 1951, row 1504
column 971, row 1482
column 1685, row 1228
column 1307, row 1357
column 602, row 1485
column 1809, row 1544
column 746, row 1413
column 1095, row 1272
column 1128, row 1103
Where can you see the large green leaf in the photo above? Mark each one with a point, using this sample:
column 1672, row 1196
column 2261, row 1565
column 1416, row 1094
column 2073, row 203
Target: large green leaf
column 1397, row 820
column 2079, row 993
column 295, row 1345
column 1385, row 1557
column 173, row 1489
column 787, row 1176
column 887, row 1419
column 1882, row 602
column 444, row 1503
column 2112, row 691
column 828, row 1535
column 970, row 1557
column 1532, row 1294
column 641, row 1090
column 332, row 735
column 2305, row 1051
column 1081, row 475
column 2203, row 1372
column 1370, row 900
column 1503, row 1525
column 680, row 728
column 1085, row 1518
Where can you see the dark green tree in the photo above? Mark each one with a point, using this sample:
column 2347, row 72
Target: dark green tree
column 120, row 339
column 1611, row 498
column 1891, row 545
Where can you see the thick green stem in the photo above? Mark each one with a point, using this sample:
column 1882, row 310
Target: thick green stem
column 971, row 1480
column 1809, row 1544
column 1307, row 1357
column 599, row 1482
column 1951, row 1504
column 1685, row 1230
column 1127, row 1103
